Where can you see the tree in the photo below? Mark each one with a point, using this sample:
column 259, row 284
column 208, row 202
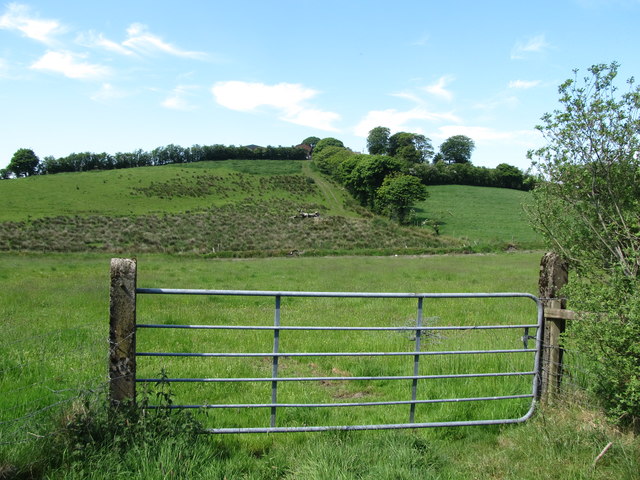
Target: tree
column 311, row 141
column 327, row 142
column 24, row 163
column 411, row 147
column 586, row 204
column 457, row 149
column 509, row 176
column 378, row 141
column 397, row 194
column 368, row 174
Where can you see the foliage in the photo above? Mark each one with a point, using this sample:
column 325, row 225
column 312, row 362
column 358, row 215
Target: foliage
column 378, row 141
column 327, row 142
column 311, row 141
column 368, row 175
column 397, row 194
column 457, row 149
column 166, row 155
column 503, row 176
column 410, row 147
column 329, row 160
column 24, row 163
column 586, row 205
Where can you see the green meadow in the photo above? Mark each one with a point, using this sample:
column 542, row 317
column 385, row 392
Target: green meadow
column 244, row 209
column 54, row 314
column 239, row 225
column 479, row 214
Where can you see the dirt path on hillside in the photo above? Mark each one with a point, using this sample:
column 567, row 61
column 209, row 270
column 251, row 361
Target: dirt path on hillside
column 326, row 189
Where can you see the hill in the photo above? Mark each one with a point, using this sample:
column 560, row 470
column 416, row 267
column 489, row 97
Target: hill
column 227, row 208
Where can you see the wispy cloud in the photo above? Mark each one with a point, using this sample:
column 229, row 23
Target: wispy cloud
column 92, row 39
column 108, row 93
column 535, row 44
column 289, row 99
column 4, row 68
column 486, row 134
column 139, row 41
column 422, row 41
column 398, row 121
column 523, row 84
column 19, row 17
column 438, row 89
column 69, row 64
column 178, row 99
column 143, row 41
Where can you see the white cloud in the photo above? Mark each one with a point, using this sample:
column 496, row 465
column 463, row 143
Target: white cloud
column 19, row 17
column 178, row 99
column 485, row 134
column 139, row 41
column 412, row 97
column 4, row 68
column 142, row 41
column 524, row 84
column 70, row 65
column 398, row 121
column 498, row 102
column 438, row 89
column 93, row 39
column 536, row 44
column 288, row 98
column 107, row 93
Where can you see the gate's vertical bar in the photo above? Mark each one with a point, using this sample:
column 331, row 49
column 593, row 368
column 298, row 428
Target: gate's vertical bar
column 416, row 363
column 274, row 373
column 122, row 331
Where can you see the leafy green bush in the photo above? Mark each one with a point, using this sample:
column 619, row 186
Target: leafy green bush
column 586, row 205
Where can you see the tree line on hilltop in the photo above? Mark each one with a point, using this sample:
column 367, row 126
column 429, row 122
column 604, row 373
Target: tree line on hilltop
column 26, row 163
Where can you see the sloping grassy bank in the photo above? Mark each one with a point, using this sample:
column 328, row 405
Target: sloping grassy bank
column 242, row 209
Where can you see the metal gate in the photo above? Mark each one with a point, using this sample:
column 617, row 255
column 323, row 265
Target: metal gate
column 418, row 356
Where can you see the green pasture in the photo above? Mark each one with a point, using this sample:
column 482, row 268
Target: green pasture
column 167, row 189
column 244, row 208
column 54, row 313
column 479, row 214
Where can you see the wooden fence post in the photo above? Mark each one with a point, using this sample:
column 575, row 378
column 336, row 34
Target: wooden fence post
column 122, row 331
column 554, row 274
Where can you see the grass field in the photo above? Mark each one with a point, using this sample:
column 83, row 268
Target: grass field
column 243, row 208
column 54, row 312
column 479, row 214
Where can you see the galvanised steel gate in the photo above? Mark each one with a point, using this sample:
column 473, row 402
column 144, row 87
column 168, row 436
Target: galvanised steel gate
column 418, row 330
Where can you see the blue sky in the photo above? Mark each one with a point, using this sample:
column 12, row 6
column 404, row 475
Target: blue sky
column 121, row 75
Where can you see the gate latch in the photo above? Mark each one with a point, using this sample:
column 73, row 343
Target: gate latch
column 526, row 337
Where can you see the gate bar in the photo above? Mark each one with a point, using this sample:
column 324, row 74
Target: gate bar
column 320, row 379
column 346, row 404
column 416, row 363
column 276, row 344
column 334, row 354
column 273, row 293
column 356, row 329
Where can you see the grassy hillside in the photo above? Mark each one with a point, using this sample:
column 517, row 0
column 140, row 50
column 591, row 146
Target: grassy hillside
column 168, row 189
column 239, row 208
column 479, row 214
